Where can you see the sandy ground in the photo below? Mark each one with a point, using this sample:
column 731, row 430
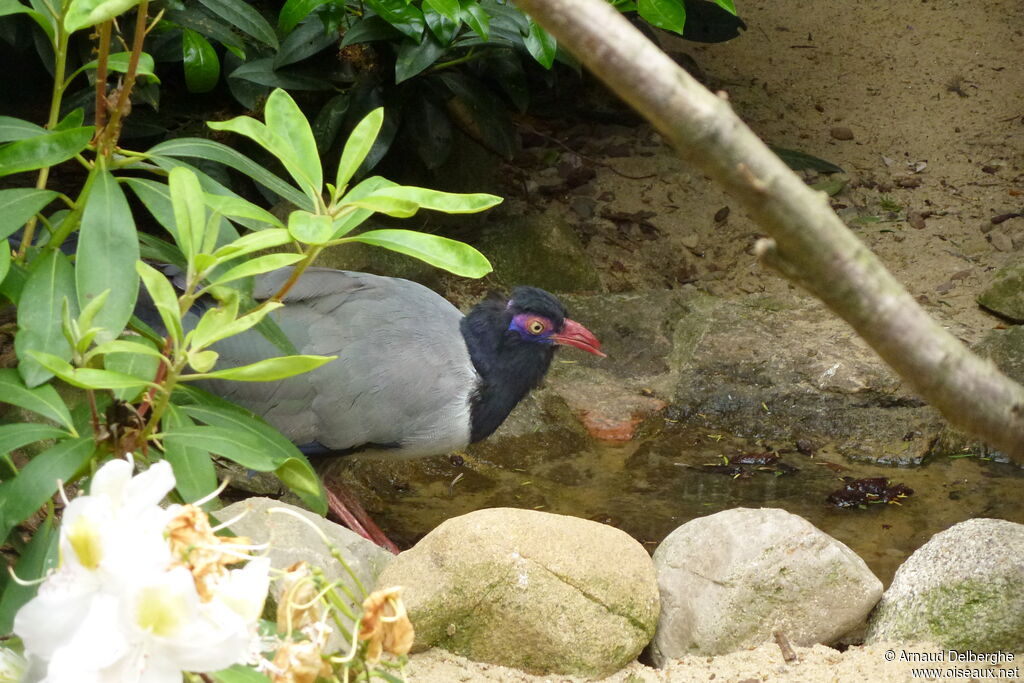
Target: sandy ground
column 933, row 94
column 818, row 664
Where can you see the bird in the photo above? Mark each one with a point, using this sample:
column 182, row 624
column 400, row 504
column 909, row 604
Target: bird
column 413, row 376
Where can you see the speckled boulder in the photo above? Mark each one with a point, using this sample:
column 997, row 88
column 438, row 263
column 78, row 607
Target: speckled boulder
column 963, row 589
column 730, row 579
column 1005, row 295
column 543, row 593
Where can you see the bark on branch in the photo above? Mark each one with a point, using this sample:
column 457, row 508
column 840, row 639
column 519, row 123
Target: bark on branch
column 809, row 244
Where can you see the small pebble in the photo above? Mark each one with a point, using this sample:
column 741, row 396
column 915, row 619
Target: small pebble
column 721, row 214
column 1001, row 241
column 841, row 133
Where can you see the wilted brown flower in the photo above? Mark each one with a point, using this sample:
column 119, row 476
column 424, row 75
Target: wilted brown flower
column 298, row 662
column 197, row 548
column 297, row 605
column 385, row 624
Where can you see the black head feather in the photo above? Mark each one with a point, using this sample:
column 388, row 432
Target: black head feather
column 509, row 366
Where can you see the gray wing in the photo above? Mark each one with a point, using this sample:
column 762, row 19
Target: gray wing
column 403, row 374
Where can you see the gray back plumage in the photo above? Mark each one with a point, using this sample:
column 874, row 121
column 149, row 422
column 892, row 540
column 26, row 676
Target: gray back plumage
column 403, row 375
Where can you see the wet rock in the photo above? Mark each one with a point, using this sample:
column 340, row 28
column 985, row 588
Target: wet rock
column 963, row 589
column 731, row 579
column 1005, row 295
column 292, row 540
column 540, row 250
column 1000, row 241
column 530, row 590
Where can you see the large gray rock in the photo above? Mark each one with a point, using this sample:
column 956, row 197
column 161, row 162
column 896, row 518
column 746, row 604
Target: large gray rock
column 963, row 589
column 543, row 593
column 1005, row 294
column 729, row 580
column 291, row 540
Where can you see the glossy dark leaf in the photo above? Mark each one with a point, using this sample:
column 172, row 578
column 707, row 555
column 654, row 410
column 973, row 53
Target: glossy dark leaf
column 667, row 14
column 369, row 29
column 328, row 121
column 447, row 8
column 244, row 17
column 262, row 71
column 51, row 281
column 43, row 19
column 201, row 21
column 413, row 58
column 107, row 251
column 202, row 66
column 541, row 44
column 441, row 25
column 294, row 11
column 21, row 496
column 305, row 41
column 475, row 17
column 431, row 132
column 482, row 115
column 47, row 149
column 405, row 17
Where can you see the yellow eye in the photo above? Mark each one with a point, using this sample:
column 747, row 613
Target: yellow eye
column 535, row 326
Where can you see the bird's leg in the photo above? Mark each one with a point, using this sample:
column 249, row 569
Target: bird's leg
column 345, row 507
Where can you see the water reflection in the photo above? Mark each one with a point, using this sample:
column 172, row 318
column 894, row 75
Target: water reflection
column 648, row 488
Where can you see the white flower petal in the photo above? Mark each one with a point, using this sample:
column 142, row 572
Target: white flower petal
column 111, row 480
column 149, row 488
column 61, row 594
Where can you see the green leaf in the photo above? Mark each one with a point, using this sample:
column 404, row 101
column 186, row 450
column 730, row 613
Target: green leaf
column 358, row 146
column 39, row 556
column 164, row 298
column 5, row 258
column 15, row 436
column 254, row 241
column 541, row 44
column 220, row 322
column 87, row 378
column 42, row 400
column 51, row 280
column 476, row 17
column 267, row 370
column 390, row 206
column 83, row 13
column 19, row 204
column 255, row 266
column 249, row 449
column 441, row 27
column 347, row 223
column 436, row 200
column 414, row 57
column 189, row 211
column 202, row 66
column 139, row 359
column 241, row 15
column 304, row 42
column 47, row 149
column 310, row 228
column 8, row 7
column 448, row 8
column 667, row 14
column 455, row 257
column 74, row 119
column 21, row 496
column 193, row 468
column 236, row 207
column 119, row 61
column 222, row 154
column 265, row 72
column 108, row 248
column 728, row 5
column 286, row 121
column 18, row 129
column 406, row 18
column 239, row 674
column 295, row 11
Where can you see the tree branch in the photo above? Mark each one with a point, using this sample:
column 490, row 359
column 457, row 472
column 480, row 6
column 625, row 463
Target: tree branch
column 810, row 244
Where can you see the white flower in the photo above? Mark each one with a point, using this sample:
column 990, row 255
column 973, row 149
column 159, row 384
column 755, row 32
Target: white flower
column 12, row 666
column 122, row 607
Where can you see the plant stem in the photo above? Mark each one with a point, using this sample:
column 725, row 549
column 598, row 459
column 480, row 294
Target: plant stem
column 101, row 76
column 112, row 130
column 60, row 58
column 297, row 272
